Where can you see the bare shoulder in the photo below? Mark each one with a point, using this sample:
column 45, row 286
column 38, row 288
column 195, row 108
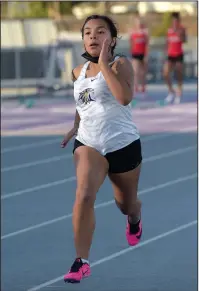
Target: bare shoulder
column 76, row 72
column 123, row 65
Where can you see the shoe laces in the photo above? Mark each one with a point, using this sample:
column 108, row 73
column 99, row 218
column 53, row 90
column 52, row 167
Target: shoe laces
column 76, row 265
column 134, row 228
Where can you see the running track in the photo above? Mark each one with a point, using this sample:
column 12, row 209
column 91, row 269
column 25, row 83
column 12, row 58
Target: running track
column 38, row 186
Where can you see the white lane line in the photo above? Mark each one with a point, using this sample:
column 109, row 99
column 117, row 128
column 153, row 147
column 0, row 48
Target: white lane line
column 36, row 188
column 100, row 205
column 35, row 163
column 121, row 253
column 58, row 140
column 57, row 158
column 44, row 186
column 29, row 146
column 170, row 154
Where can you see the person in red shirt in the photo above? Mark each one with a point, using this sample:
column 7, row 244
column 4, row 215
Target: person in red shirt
column 139, row 41
column 176, row 36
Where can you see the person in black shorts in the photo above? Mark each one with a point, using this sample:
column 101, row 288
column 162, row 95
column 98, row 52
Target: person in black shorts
column 139, row 46
column 176, row 36
column 107, row 141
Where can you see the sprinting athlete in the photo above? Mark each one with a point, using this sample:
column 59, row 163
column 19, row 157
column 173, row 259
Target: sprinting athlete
column 176, row 36
column 107, row 141
column 139, row 44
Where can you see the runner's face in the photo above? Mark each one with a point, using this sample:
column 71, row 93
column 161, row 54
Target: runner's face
column 138, row 23
column 175, row 23
column 95, row 32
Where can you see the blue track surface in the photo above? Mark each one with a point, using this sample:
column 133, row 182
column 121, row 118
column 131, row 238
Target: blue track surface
column 38, row 191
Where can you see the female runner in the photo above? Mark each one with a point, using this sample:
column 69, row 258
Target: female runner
column 139, row 45
column 107, row 141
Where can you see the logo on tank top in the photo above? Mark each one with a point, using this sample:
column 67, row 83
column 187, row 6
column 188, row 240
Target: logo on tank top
column 140, row 40
column 174, row 38
column 86, row 96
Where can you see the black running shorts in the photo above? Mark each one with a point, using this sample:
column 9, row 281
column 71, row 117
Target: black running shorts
column 139, row 57
column 177, row 59
column 122, row 160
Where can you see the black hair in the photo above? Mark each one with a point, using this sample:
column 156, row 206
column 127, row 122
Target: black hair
column 137, row 14
column 175, row 15
column 111, row 25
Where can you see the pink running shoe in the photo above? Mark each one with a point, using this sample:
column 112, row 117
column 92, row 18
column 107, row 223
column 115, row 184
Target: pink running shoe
column 78, row 271
column 133, row 233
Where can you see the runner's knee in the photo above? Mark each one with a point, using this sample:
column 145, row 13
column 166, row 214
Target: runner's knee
column 127, row 208
column 85, row 195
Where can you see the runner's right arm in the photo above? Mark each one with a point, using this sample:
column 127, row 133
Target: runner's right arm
column 74, row 130
column 182, row 34
column 75, row 74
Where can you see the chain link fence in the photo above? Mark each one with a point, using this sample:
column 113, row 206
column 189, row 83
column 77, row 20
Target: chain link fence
column 30, row 70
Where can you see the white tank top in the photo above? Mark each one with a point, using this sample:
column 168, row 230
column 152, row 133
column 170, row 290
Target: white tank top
column 105, row 124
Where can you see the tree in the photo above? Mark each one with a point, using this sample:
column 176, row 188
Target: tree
column 65, row 7
column 37, row 9
column 22, row 9
column 161, row 29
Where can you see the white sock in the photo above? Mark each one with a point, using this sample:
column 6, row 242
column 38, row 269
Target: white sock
column 85, row 261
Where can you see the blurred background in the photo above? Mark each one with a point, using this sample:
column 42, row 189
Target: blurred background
column 40, row 45
column 37, row 36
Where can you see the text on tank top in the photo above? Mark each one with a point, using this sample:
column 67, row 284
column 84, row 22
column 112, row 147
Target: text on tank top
column 139, row 41
column 104, row 123
column 174, row 43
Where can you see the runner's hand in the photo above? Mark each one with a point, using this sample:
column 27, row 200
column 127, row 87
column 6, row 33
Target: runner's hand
column 104, row 54
column 68, row 137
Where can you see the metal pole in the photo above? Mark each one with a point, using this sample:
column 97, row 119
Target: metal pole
column 17, row 71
